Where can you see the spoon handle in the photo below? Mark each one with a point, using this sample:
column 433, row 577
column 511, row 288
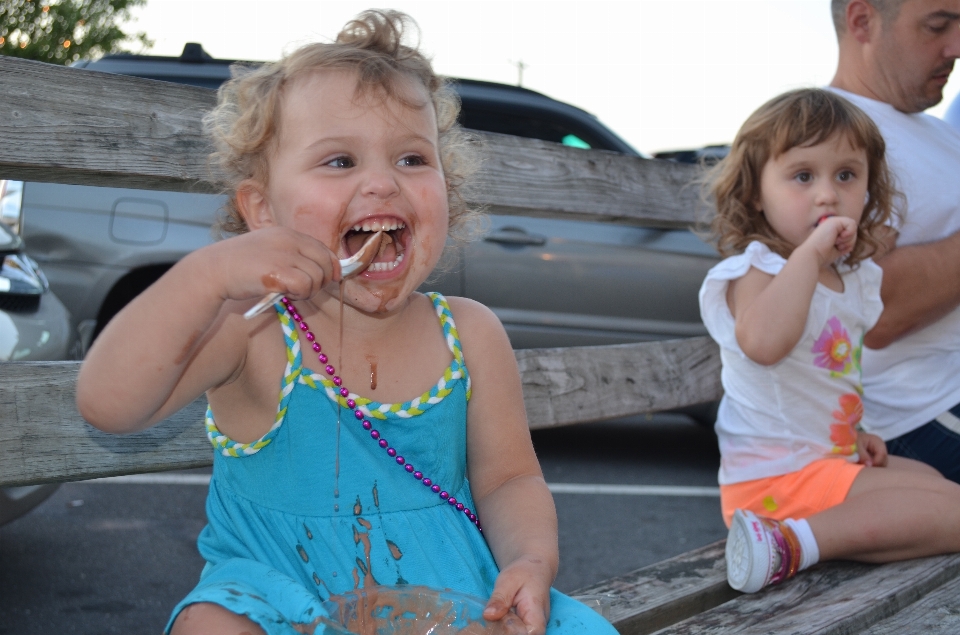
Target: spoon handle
column 268, row 300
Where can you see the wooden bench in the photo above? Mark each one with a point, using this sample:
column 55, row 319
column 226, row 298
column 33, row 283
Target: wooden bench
column 70, row 126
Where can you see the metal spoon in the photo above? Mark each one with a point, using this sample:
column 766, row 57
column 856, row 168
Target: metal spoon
column 349, row 267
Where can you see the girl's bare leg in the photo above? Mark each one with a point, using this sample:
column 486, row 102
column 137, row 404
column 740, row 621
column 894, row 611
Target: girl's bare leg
column 205, row 618
column 905, row 510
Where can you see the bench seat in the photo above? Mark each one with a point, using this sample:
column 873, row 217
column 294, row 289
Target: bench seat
column 689, row 595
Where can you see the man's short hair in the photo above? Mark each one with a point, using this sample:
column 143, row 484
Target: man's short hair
column 888, row 10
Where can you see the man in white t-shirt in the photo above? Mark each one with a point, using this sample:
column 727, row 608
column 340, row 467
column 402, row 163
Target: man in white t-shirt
column 895, row 57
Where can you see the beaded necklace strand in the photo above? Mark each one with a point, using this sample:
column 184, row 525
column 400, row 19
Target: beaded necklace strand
column 367, row 425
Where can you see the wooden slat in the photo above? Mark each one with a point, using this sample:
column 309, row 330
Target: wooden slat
column 536, row 178
column 591, row 383
column 43, row 438
column 665, row 593
column 837, row 598
column 70, row 125
column 937, row 613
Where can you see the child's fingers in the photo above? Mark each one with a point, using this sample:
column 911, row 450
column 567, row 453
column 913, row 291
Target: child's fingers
column 531, row 613
column 274, row 260
column 497, row 606
column 873, row 451
column 534, row 616
column 845, row 246
column 317, row 252
column 302, row 280
column 512, row 589
column 306, row 265
column 846, row 234
column 880, row 453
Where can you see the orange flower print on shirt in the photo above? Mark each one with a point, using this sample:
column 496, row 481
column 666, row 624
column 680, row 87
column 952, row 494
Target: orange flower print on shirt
column 843, row 430
column 833, row 349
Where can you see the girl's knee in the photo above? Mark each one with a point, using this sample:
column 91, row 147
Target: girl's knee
column 205, row 618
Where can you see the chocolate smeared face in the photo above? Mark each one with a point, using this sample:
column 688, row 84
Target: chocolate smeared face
column 349, row 164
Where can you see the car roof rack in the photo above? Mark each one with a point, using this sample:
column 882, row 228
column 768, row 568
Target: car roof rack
column 193, row 52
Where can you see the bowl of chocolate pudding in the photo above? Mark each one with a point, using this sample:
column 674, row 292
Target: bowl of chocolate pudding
column 416, row 610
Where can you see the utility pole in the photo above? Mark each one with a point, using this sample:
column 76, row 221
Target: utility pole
column 520, row 66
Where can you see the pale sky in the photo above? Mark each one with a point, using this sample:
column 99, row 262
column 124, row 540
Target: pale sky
column 663, row 74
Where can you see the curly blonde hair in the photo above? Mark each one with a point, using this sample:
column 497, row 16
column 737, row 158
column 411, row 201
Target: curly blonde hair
column 245, row 122
column 799, row 118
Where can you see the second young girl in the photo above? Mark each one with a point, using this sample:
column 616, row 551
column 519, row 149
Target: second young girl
column 802, row 201
column 363, row 432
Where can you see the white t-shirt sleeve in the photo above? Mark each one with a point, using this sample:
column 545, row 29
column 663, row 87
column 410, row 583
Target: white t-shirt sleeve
column 714, row 310
column 871, row 276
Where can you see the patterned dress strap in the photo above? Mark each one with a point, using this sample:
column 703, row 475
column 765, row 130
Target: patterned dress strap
column 294, row 368
column 451, row 334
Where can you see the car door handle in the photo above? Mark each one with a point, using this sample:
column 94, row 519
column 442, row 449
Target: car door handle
column 515, row 236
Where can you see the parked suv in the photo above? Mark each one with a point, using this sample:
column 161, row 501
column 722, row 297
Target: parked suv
column 552, row 282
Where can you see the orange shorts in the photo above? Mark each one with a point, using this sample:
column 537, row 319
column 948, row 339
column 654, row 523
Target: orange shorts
column 818, row 486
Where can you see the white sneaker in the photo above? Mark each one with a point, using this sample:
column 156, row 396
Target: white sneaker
column 760, row 552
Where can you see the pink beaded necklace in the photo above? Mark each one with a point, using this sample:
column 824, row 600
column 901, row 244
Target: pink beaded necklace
column 367, row 425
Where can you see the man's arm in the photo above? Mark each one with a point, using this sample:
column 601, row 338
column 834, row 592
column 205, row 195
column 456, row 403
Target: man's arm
column 921, row 284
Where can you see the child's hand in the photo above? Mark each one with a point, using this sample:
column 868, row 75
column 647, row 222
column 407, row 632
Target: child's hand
column 524, row 584
column 872, row 449
column 833, row 238
column 273, row 260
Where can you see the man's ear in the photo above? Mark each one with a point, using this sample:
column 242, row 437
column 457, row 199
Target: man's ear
column 253, row 205
column 862, row 18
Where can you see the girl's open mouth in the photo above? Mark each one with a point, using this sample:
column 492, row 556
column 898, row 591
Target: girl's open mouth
column 392, row 246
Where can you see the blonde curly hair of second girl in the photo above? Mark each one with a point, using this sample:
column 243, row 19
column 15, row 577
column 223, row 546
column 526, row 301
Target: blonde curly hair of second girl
column 244, row 124
column 804, row 117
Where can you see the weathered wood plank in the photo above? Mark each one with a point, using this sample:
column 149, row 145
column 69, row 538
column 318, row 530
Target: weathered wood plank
column 43, row 438
column 837, row 598
column 591, row 383
column 937, row 613
column 70, row 125
column 536, row 178
column 667, row 592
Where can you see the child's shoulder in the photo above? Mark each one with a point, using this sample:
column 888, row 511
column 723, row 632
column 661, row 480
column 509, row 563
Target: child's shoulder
column 475, row 322
column 756, row 256
column 466, row 311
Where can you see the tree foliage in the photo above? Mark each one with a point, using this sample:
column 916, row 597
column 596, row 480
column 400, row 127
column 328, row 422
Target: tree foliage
column 62, row 31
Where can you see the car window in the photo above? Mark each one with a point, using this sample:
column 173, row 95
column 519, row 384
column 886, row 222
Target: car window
column 540, row 126
column 574, row 141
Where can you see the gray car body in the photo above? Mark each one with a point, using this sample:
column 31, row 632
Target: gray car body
column 552, row 282
column 31, row 330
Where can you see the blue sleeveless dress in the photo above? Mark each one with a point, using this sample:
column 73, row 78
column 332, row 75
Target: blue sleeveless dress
column 292, row 520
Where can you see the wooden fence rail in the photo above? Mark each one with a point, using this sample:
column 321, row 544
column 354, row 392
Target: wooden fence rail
column 44, row 439
column 68, row 125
